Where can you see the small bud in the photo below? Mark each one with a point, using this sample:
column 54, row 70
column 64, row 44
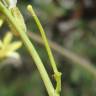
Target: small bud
column 10, row 3
column 18, row 17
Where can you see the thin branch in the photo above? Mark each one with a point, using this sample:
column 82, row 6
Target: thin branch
column 77, row 60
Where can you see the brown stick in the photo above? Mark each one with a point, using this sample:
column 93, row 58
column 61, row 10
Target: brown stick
column 72, row 57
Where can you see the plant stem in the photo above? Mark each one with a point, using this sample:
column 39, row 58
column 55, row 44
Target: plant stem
column 31, row 50
column 75, row 59
column 57, row 74
column 30, row 9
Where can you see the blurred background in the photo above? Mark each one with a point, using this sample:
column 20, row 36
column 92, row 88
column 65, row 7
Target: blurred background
column 70, row 26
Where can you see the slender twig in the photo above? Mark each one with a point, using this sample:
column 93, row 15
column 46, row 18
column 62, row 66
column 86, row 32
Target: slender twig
column 74, row 58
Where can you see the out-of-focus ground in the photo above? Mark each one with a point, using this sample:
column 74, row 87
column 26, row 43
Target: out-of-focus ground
column 70, row 26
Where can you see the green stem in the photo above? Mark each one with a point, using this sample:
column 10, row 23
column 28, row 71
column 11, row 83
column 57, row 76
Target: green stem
column 30, row 9
column 57, row 74
column 32, row 51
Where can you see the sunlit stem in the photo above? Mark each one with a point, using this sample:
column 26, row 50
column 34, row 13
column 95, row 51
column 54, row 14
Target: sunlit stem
column 57, row 74
column 31, row 50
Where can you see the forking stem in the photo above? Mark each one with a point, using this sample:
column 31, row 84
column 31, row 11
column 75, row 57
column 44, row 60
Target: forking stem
column 57, row 74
